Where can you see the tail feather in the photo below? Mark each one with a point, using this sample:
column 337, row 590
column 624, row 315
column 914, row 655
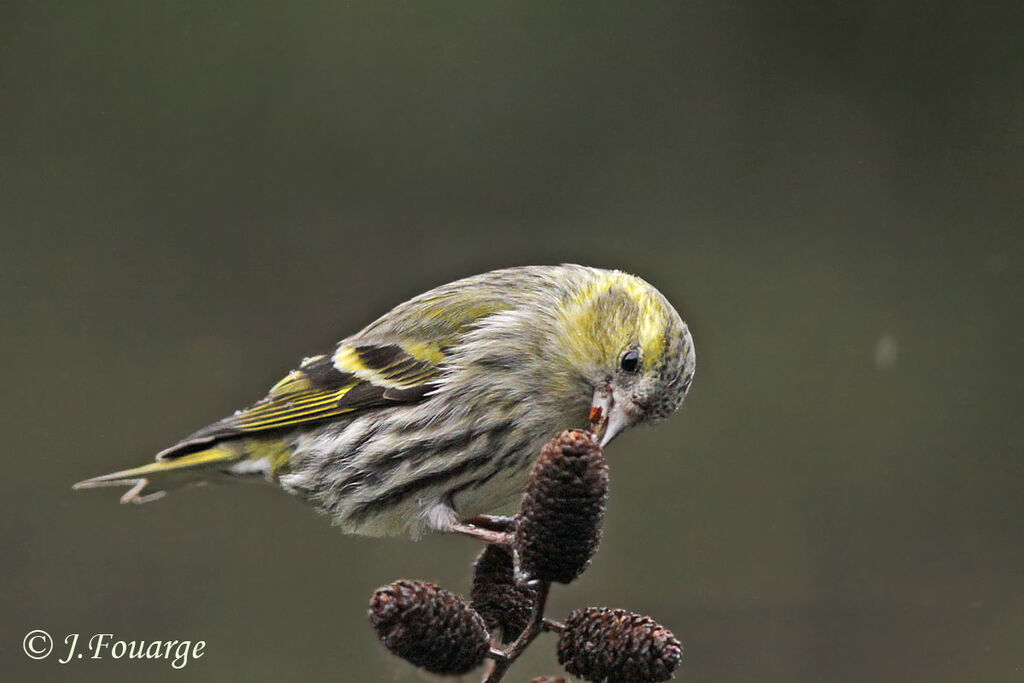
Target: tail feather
column 152, row 481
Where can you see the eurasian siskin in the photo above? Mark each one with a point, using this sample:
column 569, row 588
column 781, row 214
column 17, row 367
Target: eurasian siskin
column 433, row 413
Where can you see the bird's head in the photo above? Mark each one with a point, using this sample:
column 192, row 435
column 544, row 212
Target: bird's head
column 629, row 346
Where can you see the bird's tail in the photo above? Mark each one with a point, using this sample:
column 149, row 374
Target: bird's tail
column 152, row 481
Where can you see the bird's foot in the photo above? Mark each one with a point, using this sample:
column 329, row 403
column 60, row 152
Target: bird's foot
column 493, row 522
column 487, row 528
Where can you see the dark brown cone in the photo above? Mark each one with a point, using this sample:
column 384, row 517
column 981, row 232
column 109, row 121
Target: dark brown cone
column 497, row 598
column 601, row 643
column 429, row 627
column 560, row 518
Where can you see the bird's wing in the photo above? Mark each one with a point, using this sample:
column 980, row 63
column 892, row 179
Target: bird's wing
column 356, row 378
column 394, row 360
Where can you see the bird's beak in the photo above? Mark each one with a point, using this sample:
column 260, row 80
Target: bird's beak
column 608, row 416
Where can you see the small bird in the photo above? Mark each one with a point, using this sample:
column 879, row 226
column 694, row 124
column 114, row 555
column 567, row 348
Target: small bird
column 429, row 417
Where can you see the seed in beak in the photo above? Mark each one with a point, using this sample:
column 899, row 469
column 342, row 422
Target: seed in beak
column 598, row 421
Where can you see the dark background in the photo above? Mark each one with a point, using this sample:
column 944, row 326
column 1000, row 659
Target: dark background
column 195, row 195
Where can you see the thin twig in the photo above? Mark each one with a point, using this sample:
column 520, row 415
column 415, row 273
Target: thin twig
column 503, row 658
column 552, row 626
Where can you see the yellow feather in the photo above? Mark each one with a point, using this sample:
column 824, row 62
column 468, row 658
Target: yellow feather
column 404, row 373
column 347, row 359
column 138, row 477
column 597, row 331
column 431, row 353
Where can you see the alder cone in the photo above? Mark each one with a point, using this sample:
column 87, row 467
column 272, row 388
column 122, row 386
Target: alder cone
column 429, row 627
column 497, row 598
column 559, row 526
column 612, row 644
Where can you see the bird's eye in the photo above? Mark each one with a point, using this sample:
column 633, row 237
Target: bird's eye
column 630, row 360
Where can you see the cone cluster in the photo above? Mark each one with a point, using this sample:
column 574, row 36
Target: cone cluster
column 612, row 644
column 429, row 627
column 505, row 605
column 559, row 525
column 553, row 539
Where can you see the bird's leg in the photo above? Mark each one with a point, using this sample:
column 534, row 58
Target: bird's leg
column 497, row 529
column 482, row 533
column 493, row 522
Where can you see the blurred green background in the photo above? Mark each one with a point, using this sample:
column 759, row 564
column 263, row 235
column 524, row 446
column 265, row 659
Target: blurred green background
column 193, row 196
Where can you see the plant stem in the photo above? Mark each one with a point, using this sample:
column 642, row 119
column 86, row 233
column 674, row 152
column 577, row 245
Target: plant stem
column 552, row 626
column 503, row 658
